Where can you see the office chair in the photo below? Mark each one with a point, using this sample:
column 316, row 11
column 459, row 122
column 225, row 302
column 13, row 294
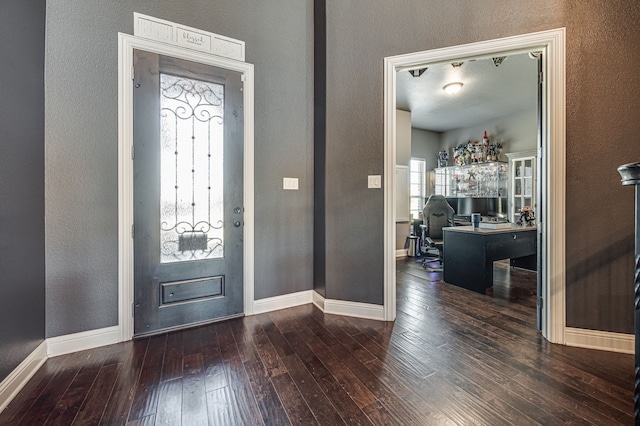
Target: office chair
column 436, row 214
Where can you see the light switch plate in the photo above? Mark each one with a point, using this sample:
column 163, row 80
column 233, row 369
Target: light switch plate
column 375, row 181
column 290, row 183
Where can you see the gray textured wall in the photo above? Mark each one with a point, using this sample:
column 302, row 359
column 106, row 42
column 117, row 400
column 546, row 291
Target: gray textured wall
column 425, row 144
column 81, row 140
column 21, row 181
column 603, row 105
column 603, row 100
column 81, row 137
column 518, row 132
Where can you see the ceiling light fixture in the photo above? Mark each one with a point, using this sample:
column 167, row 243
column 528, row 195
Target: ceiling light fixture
column 453, row 88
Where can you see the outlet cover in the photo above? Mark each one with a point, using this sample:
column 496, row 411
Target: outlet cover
column 290, row 183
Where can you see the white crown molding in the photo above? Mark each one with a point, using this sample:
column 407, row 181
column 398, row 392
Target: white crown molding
column 19, row 377
column 76, row 342
column 275, row 303
column 601, row 340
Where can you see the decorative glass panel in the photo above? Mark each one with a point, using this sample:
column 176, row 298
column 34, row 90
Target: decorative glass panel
column 528, row 188
column 528, row 167
column 191, row 198
column 518, row 187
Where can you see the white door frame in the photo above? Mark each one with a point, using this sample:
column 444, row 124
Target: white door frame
column 126, row 45
column 552, row 43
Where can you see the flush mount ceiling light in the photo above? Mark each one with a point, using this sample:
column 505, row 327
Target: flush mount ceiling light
column 453, row 88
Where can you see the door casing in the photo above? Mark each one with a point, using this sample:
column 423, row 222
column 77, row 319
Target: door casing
column 552, row 43
column 126, row 45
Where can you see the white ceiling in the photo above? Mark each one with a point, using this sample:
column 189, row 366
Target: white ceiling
column 489, row 92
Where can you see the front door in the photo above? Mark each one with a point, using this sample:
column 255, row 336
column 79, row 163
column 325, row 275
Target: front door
column 188, row 192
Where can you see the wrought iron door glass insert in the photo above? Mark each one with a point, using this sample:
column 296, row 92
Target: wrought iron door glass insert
column 191, row 197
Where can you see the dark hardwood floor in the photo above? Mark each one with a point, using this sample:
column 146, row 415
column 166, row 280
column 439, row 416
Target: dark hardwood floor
column 451, row 357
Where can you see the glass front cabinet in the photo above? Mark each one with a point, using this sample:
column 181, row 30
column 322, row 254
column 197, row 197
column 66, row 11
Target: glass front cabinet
column 472, row 180
column 522, row 183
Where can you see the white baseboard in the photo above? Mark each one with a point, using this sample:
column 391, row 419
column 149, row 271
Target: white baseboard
column 401, row 253
column 602, row 340
column 349, row 309
column 82, row 341
column 318, row 300
column 354, row 309
column 282, row 302
column 19, row 377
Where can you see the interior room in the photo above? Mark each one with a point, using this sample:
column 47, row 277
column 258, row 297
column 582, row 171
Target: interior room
column 316, row 335
column 468, row 131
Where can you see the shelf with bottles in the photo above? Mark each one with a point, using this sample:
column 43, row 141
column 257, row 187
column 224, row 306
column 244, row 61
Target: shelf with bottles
column 487, row 179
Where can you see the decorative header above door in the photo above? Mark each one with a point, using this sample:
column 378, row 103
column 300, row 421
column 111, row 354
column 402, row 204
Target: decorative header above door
column 187, row 37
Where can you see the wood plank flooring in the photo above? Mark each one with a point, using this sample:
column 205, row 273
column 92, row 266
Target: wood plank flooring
column 451, row 357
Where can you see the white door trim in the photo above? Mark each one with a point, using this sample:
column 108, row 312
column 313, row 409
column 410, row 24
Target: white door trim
column 552, row 43
column 126, row 45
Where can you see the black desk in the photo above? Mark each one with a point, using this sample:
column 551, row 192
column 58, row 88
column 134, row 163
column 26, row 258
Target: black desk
column 469, row 254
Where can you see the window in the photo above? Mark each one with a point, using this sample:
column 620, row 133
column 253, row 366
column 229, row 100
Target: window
column 418, row 187
column 441, row 182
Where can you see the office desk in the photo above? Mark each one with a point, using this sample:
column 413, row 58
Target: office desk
column 469, row 254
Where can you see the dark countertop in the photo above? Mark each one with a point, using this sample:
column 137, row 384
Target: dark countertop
column 470, row 230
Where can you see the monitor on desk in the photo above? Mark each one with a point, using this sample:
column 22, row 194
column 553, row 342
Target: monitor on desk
column 486, row 206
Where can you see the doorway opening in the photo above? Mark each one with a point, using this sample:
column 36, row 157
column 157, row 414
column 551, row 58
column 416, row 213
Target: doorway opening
column 551, row 154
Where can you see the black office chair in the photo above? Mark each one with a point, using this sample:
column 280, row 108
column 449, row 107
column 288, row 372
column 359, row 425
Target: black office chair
column 436, row 214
